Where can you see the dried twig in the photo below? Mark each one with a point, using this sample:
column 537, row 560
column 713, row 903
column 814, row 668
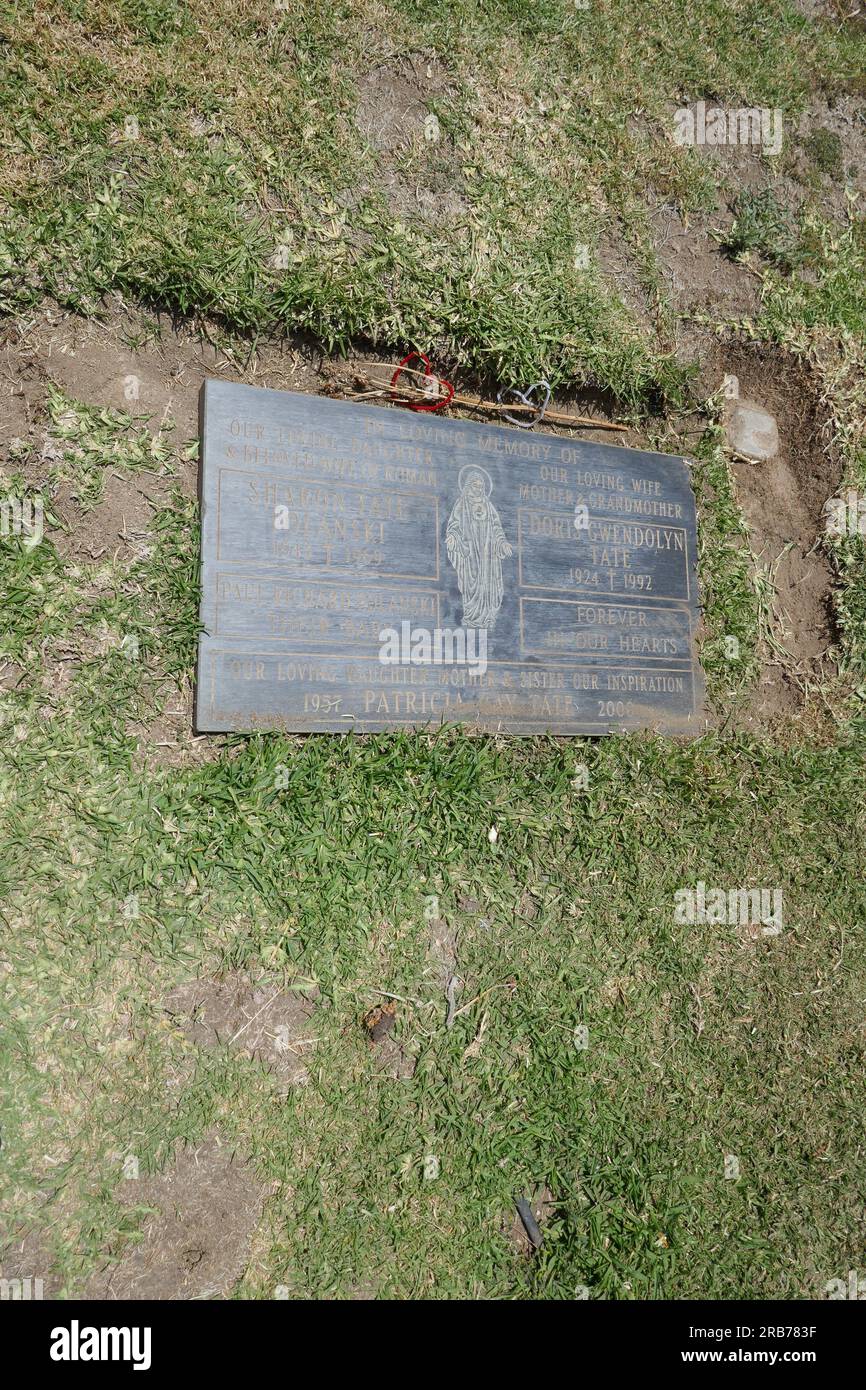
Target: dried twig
column 504, row 984
column 369, row 388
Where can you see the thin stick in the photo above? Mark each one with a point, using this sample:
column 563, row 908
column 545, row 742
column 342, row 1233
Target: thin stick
column 504, row 984
column 243, row 1028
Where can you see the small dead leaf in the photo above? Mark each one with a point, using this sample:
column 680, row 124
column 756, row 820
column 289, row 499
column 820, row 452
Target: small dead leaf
column 380, row 1020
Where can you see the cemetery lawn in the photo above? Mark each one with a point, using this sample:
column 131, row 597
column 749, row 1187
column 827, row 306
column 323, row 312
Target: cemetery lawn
column 683, row 1102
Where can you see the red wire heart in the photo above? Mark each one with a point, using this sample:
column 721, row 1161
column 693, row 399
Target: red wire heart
column 428, row 371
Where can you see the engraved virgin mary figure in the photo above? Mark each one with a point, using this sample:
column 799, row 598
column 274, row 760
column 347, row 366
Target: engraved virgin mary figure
column 476, row 546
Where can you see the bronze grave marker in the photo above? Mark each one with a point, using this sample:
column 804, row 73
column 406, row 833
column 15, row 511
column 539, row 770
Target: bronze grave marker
column 373, row 569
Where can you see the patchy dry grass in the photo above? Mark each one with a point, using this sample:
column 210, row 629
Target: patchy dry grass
column 221, row 159
column 267, row 169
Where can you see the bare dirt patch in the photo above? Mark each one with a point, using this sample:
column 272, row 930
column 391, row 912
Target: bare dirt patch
column 418, row 177
column 254, row 1016
column 118, row 523
column 205, row 1207
column 822, row 160
column 393, row 101
column 699, row 276
column 166, row 739
column 393, row 1060
column 143, row 365
column 814, row 9
column 783, row 499
column 617, row 264
column 27, row 1260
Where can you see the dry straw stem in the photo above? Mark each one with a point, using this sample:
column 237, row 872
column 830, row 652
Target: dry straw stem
column 368, row 387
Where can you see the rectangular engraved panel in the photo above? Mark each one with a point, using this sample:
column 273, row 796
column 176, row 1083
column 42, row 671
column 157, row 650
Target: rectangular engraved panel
column 372, row 569
column 562, row 627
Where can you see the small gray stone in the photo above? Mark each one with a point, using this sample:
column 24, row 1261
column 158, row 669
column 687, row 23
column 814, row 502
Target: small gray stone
column 753, row 432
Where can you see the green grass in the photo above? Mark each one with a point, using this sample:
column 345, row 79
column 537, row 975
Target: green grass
column 763, row 224
column 89, row 440
column 702, row 1041
column 251, row 141
column 728, row 599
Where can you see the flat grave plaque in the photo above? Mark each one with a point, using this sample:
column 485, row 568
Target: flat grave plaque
column 367, row 569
